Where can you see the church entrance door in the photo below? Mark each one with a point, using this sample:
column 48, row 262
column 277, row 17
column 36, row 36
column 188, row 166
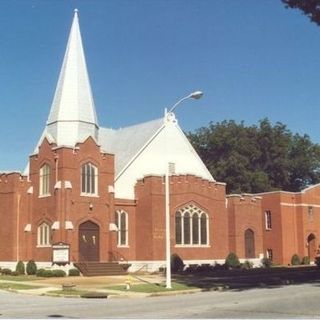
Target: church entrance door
column 312, row 246
column 89, row 241
column 249, row 244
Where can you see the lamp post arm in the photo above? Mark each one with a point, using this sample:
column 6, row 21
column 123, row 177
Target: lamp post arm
column 177, row 103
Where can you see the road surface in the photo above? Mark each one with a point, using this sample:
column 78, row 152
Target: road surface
column 292, row 301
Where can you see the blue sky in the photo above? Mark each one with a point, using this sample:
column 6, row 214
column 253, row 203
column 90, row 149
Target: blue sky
column 252, row 59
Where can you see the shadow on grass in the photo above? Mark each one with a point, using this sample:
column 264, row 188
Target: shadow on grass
column 239, row 280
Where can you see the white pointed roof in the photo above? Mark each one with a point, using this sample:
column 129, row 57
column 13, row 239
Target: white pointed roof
column 146, row 149
column 72, row 116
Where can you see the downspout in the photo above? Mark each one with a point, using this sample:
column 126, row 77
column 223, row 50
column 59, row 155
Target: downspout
column 56, row 160
column 18, row 227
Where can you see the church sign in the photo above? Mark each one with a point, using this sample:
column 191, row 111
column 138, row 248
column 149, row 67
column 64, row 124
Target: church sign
column 61, row 253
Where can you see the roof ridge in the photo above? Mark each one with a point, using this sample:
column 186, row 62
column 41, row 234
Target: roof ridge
column 133, row 126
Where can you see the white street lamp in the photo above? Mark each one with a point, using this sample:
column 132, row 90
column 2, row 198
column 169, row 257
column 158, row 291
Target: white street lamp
column 193, row 95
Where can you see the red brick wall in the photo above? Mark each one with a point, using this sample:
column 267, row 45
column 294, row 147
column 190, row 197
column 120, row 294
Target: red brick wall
column 291, row 225
column 13, row 213
column 150, row 216
column 66, row 204
column 244, row 212
column 272, row 239
column 126, row 252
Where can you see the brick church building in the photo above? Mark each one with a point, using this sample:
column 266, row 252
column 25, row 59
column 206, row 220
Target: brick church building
column 97, row 194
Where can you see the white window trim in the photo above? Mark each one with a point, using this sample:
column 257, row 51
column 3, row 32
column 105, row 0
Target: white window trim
column 41, row 241
column 41, row 180
column 268, row 253
column 266, row 214
column 119, row 245
column 199, row 213
column 96, row 178
column 91, row 195
column 192, row 246
column 45, row 195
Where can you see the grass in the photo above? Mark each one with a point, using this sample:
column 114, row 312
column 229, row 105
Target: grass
column 68, row 292
column 19, row 278
column 152, row 287
column 17, row 286
column 75, row 292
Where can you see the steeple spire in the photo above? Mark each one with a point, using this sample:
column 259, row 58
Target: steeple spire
column 72, row 116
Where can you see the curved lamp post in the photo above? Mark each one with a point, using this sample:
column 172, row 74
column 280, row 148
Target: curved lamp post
column 193, row 95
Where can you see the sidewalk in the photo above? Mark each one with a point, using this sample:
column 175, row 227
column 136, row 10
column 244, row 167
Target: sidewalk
column 93, row 284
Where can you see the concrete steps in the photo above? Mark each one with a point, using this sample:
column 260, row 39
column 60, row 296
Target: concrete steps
column 91, row 269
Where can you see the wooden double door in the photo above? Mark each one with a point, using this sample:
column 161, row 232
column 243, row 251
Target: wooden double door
column 89, row 241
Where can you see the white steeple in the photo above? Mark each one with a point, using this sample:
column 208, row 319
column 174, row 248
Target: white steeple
column 72, row 116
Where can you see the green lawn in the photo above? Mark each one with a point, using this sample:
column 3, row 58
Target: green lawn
column 151, row 287
column 68, row 292
column 16, row 286
column 74, row 292
column 19, row 278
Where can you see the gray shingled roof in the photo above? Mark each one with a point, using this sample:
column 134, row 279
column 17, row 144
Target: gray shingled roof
column 125, row 143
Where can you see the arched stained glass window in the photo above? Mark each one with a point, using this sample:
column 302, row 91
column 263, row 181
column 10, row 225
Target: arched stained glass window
column 191, row 226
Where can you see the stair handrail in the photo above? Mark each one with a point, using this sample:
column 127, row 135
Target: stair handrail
column 145, row 265
column 114, row 256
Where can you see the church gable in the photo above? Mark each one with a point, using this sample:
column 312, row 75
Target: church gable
column 168, row 145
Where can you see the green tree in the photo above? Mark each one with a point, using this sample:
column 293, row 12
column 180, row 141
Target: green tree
column 304, row 163
column 311, row 8
column 257, row 158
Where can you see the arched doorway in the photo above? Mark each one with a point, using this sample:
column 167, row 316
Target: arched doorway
column 249, row 244
column 89, row 241
column 312, row 247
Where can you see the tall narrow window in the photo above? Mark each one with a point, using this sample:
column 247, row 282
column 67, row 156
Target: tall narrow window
column 191, row 227
column 44, row 182
column 270, row 254
column 186, row 228
column 204, row 226
column 310, row 214
column 268, row 220
column 89, row 179
column 122, row 225
column 178, row 228
column 195, row 229
column 43, row 235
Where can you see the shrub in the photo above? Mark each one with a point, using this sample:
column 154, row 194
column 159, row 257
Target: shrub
column 15, row 273
column 20, row 269
column 44, row 273
column 39, row 272
column 232, row 260
column 247, row 265
column 305, row 260
column 58, row 273
column 192, row 268
column 176, row 263
column 317, row 261
column 295, row 260
column 219, row 267
column 6, row 271
column 266, row 262
column 47, row 274
column 74, row 273
column 205, row 267
column 31, row 267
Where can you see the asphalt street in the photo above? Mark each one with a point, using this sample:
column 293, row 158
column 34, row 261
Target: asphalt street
column 292, row 301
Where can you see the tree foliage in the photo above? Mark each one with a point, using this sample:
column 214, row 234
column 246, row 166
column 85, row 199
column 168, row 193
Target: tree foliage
column 257, row 158
column 310, row 8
